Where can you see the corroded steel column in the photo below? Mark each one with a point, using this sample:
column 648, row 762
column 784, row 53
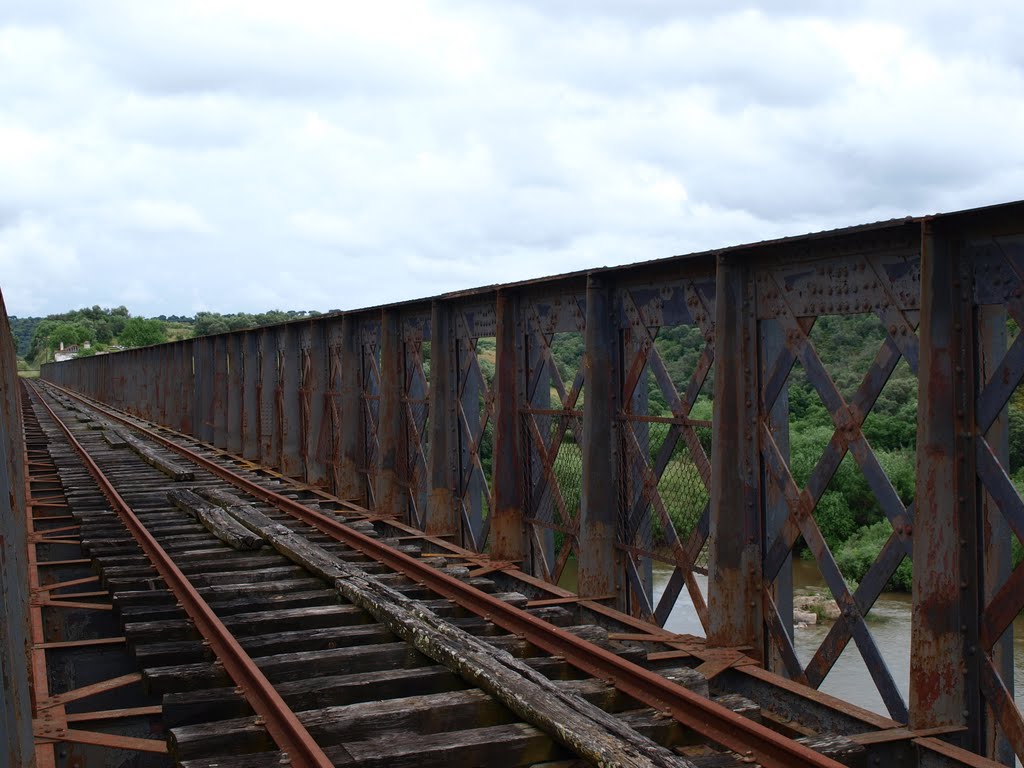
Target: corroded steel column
column 734, row 565
column 772, row 342
column 270, row 438
column 219, row 399
column 349, row 481
column 996, row 534
column 202, row 414
column 599, row 499
column 314, row 386
column 289, row 401
column 184, row 377
column 249, row 370
column 944, row 664
column 392, row 486
column 235, row 385
column 507, row 531
column 15, row 701
column 442, row 517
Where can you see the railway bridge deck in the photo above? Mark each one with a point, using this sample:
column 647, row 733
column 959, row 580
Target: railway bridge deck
column 339, row 541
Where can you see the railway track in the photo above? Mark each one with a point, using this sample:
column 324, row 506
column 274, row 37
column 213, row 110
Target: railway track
column 280, row 627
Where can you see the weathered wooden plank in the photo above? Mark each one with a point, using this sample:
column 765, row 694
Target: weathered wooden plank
column 294, row 665
column 452, row 711
column 252, row 623
column 215, row 520
column 113, row 439
column 226, row 606
column 192, row 707
column 500, row 746
column 172, row 469
column 190, row 651
column 584, row 728
column 158, row 595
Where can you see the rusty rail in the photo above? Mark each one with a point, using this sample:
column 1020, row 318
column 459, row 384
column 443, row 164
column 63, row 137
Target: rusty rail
column 281, row 722
column 717, row 723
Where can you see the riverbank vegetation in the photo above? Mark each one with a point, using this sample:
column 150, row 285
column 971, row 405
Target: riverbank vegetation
column 848, row 513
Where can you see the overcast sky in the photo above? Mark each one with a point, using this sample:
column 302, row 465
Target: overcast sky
column 242, row 156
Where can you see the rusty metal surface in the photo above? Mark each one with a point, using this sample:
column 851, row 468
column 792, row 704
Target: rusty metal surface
column 712, row 720
column 15, row 704
column 741, row 512
column 281, row 722
column 598, row 509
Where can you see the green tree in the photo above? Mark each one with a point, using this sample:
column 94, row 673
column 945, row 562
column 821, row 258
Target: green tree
column 140, row 332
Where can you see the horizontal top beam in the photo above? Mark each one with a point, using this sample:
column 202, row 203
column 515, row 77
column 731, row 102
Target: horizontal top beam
column 995, row 220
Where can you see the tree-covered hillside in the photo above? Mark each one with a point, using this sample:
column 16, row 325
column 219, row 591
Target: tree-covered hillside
column 38, row 337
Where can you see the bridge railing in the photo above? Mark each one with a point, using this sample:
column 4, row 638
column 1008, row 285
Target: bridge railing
column 521, row 419
column 16, row 747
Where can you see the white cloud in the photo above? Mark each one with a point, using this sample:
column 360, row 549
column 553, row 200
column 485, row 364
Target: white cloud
column 36, row 264
column 239, row 155
column 164, row 216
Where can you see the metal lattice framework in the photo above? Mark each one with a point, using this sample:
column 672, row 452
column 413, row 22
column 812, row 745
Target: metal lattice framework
column 863, row 283
column 474, row 409
column 500, row 440
column 415, row 414
column 552, row 426
column 656, row 466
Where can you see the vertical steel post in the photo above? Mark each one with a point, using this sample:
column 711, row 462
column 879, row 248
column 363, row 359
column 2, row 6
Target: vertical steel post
column 158, row 376
column 350, row 484
column 270, row 439
column 16, row 746
column 392, row 489
column 508, row 536
column 288, row 401
column 735, row 608
column 249, row 370
column 944, row 667
column 219, row 399
column 235, row 386
column 776, row 508
column 131, row 390
column 632, row 477
column 541, row 540
column 314, row 385
column 471, row 486
column 598, row 572
column 996, row 534
column 185, row 386
column 203, row 413
column 144, row 393
column 442, row 517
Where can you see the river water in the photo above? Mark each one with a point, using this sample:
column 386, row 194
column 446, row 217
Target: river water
column 889, row 621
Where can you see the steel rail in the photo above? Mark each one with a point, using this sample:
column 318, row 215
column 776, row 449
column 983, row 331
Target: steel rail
column 715, row 722
column 280, row 721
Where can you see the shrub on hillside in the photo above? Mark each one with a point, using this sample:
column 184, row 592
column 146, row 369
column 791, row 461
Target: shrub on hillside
column 858, row 552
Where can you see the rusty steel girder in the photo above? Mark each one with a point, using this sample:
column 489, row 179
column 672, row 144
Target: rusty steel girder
column 488, row 441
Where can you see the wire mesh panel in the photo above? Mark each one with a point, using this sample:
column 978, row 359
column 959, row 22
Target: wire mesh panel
column 551, row 420
column 664, row 422
column 370, row 381
column 885, row 283
column 416, row 409
column 475, row 349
